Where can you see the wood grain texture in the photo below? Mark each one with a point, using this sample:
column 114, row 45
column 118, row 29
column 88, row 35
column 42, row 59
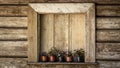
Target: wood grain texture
column 64, row 66
column 33, row 38
column 110, row 51
column 76, row 1
column 90, row 37
column 13, row 21
column 108, row 10
column 77, row 31
column 13, row 34
column 88, row 1
column 102, row 10
column 109, row 64
column 13, row 10
column 102, row 22
column 14, row 1
column 43, row 8
column 108, row 23
column 47, row 32
column 61, row 31
column 108, row 35
column 13, row 48
column 13, row 63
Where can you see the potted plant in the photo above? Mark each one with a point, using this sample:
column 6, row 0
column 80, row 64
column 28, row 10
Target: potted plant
column 78, row 55
column 52, row 54
column 44, row 57
column 60, row 56
column 68, row 56
column 82, row 55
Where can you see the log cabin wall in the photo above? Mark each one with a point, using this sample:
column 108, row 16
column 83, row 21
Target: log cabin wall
column 13, row 32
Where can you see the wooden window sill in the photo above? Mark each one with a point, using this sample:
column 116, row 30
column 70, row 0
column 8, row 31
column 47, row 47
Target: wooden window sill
column 61, row 63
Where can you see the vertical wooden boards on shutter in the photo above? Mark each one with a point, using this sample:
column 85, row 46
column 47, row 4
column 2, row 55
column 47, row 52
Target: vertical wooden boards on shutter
column 61, row 31
column 47, row 21
column 32, row 36
column 64, row 31
column 77, row 31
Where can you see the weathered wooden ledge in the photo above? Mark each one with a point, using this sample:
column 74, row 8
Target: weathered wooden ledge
column 62, row 63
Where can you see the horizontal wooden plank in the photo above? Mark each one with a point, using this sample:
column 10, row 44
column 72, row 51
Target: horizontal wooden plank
column 13, row 10
column 13, row 63
column 108, row 35
column 109, row 64
column 88, row 1
column 14, row 1
column 110, row 51
column 13, row 48
column 13, row 45
column 63, row 65
column 13, row 34
column 108, row 23
column 13, row 21
column 108, row 10
column 14, row 54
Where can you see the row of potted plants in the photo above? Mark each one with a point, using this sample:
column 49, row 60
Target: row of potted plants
column 56, row 55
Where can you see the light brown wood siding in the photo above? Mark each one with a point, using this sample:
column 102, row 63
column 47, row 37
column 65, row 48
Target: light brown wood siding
column 13, row 21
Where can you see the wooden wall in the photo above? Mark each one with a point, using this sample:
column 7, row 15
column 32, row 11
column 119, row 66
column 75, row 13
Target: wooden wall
column 13, row 30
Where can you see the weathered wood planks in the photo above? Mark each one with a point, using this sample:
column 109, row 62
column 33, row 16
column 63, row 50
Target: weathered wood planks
column 13, row 34
column 33, row 36
column 77, row 31
column 105, row 50
column 108, row 23
column 109, row 64
column 109, row 51
column 62, row 8
column 108, row 10
column 13, row 48
column 13, row 63
column 102, row 22
column 14, row 1
column 108, row 35
column 47, row 32
column 14, row 10
column 76, row 1
column 61, row 31
column 64, row 66
column 17, row 10
column 13, row 22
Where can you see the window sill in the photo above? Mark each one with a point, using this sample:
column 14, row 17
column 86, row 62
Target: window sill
column 61, row 63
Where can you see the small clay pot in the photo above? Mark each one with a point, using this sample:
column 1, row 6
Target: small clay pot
column 52, row 58
column 44, row 58
column 68, row 58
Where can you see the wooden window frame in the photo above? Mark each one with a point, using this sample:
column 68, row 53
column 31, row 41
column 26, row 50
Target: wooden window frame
column 44, row 8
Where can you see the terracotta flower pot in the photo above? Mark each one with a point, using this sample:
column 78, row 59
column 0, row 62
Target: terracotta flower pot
column 44, row 58
column 52, row 58
column 68, row 58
